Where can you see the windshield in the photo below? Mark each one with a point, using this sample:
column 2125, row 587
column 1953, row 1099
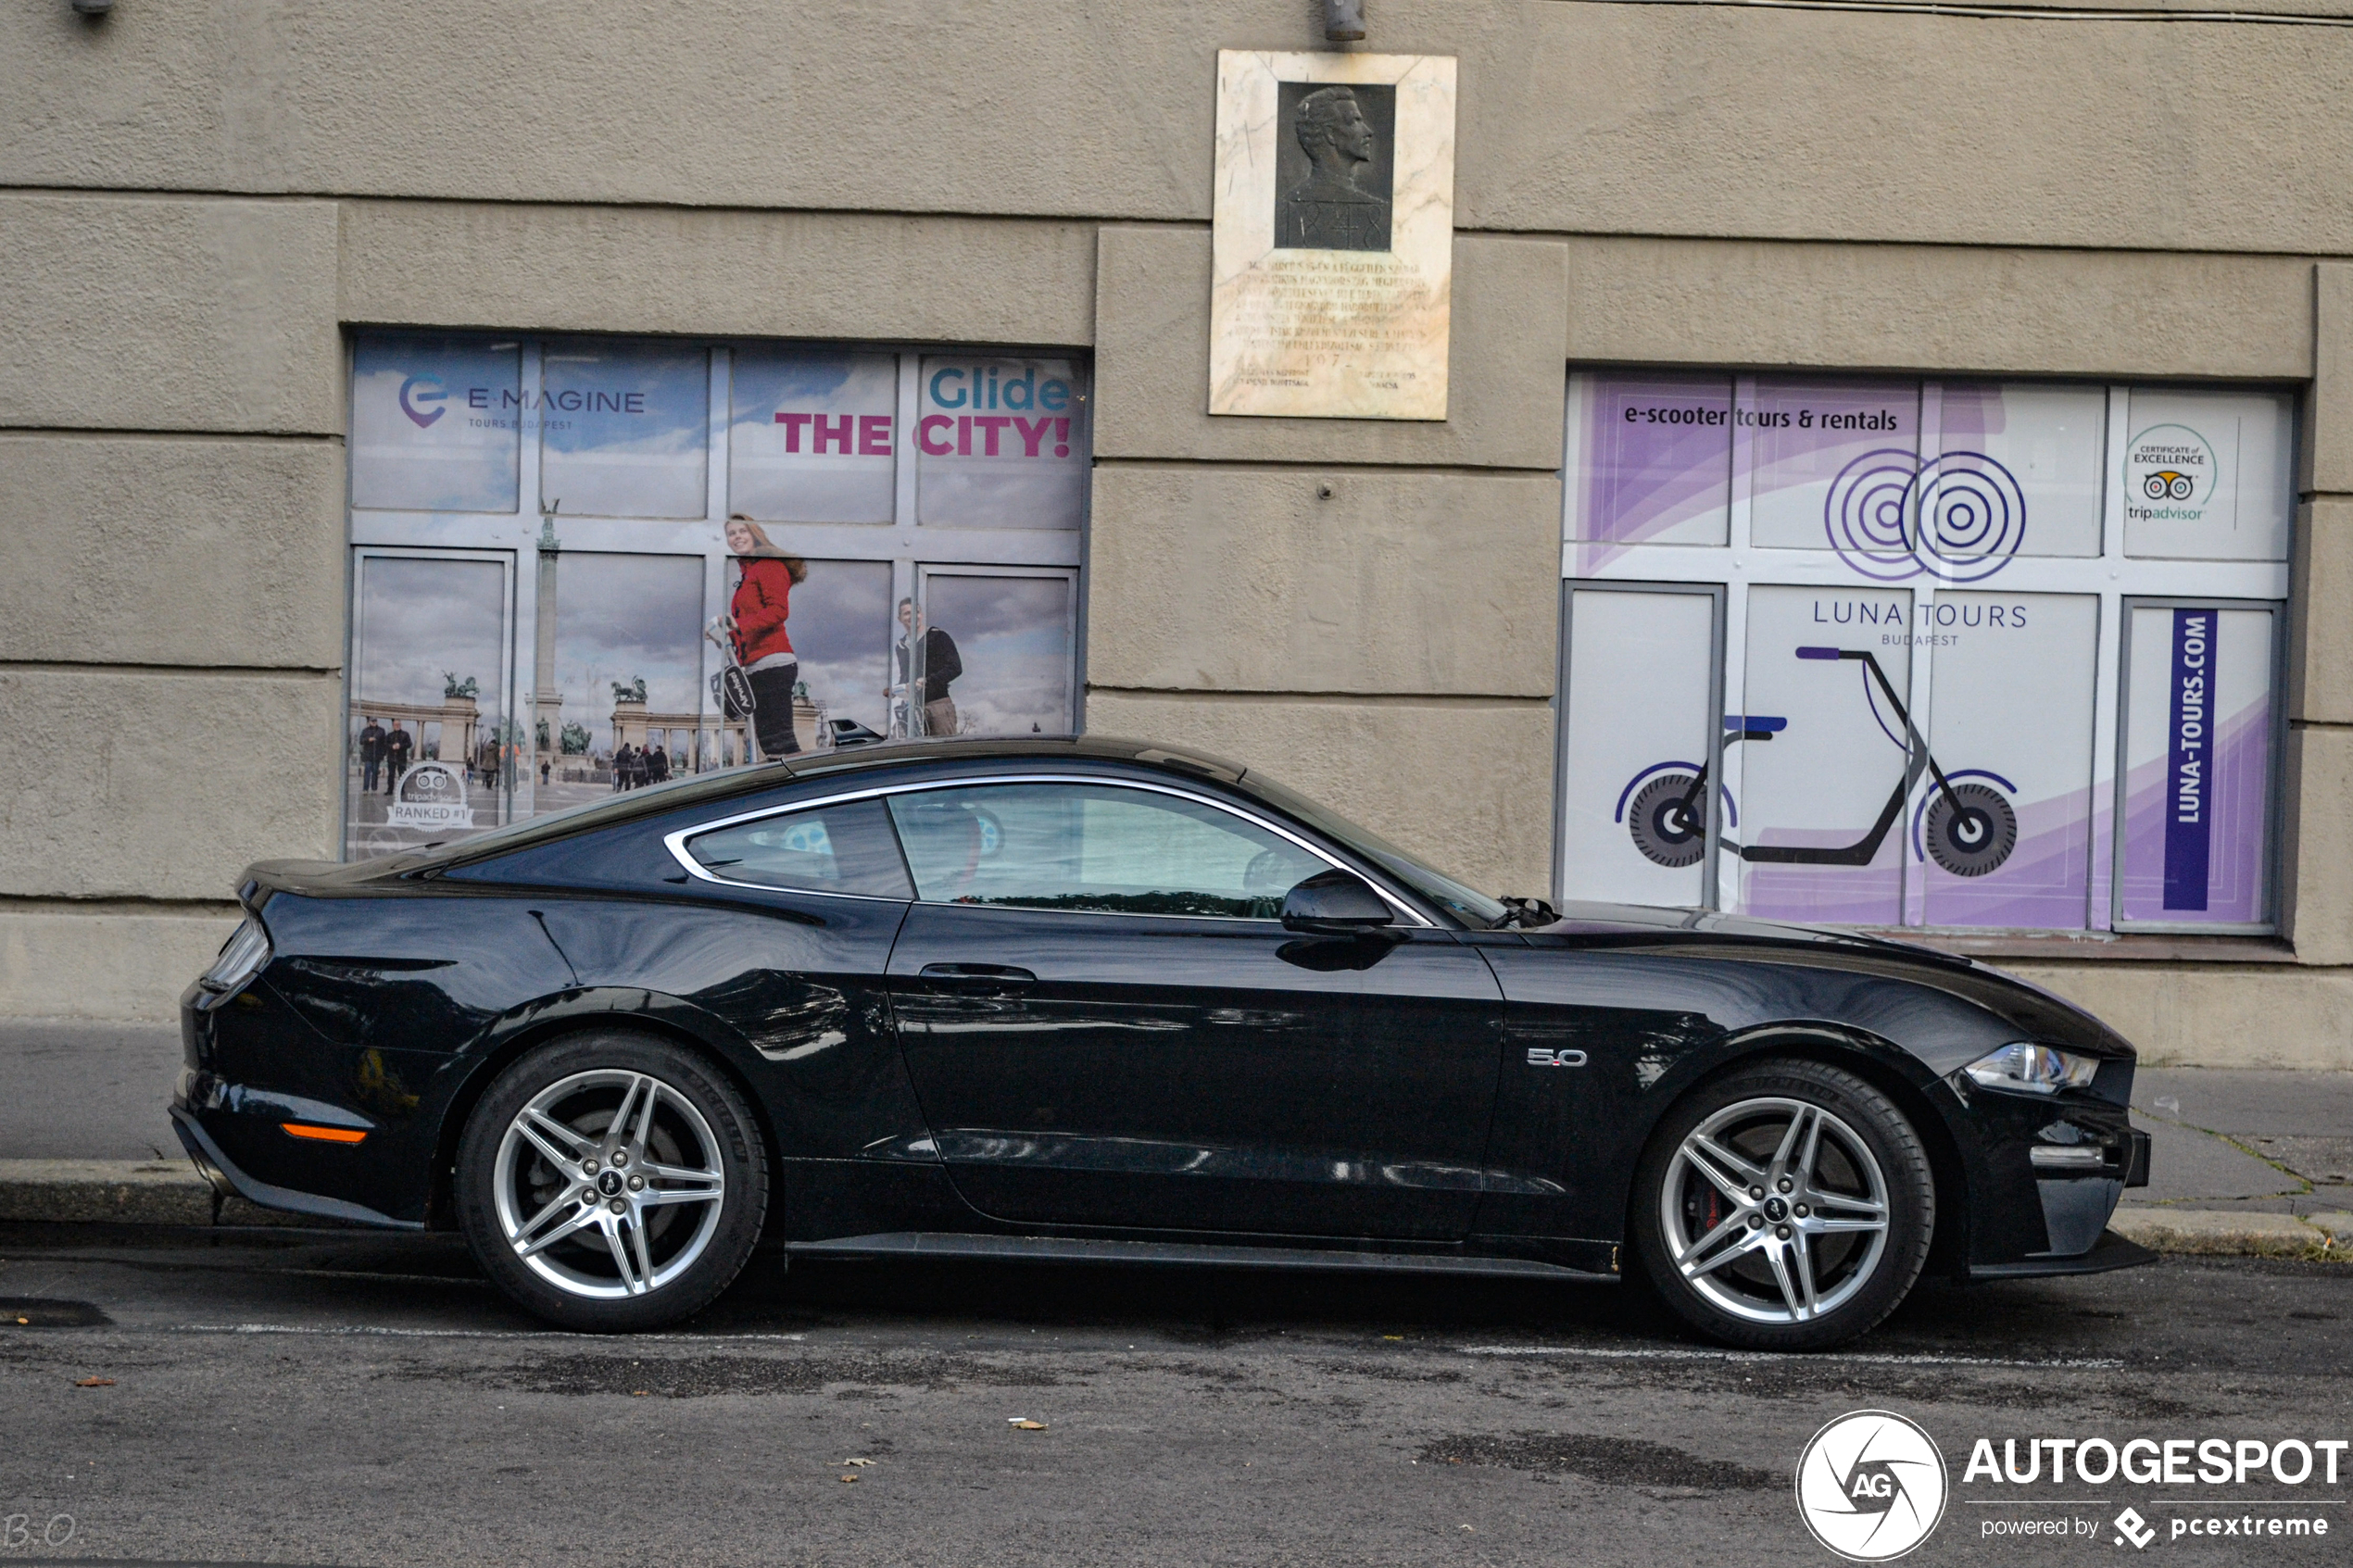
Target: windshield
column 1468, row 905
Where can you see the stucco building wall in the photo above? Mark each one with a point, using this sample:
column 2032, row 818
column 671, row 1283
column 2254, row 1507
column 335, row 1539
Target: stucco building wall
column 197, row 202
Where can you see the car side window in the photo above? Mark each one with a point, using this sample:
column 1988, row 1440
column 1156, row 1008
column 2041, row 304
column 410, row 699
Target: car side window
column 846, row 848
column 1094, row 848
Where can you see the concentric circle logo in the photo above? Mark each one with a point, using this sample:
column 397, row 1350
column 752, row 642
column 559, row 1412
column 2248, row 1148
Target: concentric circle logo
column 1870, row 1486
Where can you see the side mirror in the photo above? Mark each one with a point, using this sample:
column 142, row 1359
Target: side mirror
column 1336, row 903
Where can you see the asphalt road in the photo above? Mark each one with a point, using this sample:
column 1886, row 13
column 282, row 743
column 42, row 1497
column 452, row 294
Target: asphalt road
column 338, row 1397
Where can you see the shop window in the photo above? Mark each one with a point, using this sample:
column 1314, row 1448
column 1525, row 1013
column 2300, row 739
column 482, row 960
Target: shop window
column 1887, row 652
column 782, row 508
column 1001, row 442
column 436, row 423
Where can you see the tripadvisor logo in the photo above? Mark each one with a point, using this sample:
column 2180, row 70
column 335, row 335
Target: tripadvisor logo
column 1870, row 1486
column 2169, row 474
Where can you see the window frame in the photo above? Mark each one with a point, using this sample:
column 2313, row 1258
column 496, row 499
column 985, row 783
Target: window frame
column 909, row 546
column 2114, row 577
column 676, row 841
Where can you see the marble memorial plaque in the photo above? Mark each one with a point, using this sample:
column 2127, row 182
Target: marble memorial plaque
column 1334, row 235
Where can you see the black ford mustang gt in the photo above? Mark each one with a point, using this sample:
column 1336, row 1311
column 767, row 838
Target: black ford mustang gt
column 1098, row 999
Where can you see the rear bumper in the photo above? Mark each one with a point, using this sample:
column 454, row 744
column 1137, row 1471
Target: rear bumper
column 229, row 1180
column 2111, row 1251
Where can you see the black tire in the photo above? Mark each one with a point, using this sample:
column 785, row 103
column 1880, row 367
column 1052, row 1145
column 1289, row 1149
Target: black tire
column 1976, row 839
column 1866, row 1151
column 1664, row 831
column 657, row 1245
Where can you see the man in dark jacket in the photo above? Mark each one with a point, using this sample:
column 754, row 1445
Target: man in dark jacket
column 397, row 745
column 372, row 754
column 939, row 664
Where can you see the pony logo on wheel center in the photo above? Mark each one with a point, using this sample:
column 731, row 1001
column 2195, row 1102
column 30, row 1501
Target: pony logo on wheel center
column 1871, row 1485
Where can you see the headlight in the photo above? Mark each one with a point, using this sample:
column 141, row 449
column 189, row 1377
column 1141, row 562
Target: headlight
column 241, row 958
column 2034, row 1070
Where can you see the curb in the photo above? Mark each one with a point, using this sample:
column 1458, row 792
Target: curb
column 137, row 1192
column 2225, row 1233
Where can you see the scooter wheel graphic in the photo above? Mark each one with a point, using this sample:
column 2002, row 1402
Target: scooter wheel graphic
column 1976, row 838
column 1667, row 831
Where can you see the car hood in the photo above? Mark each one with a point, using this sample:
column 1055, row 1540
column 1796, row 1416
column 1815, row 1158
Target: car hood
column 2035, row 1014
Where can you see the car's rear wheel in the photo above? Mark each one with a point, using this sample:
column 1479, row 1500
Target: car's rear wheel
column 612, row 1181
column 1788, row 1206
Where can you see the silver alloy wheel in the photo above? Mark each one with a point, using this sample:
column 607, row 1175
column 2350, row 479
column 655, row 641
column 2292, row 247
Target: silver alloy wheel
column 586, row 1168
column 1774, row 1211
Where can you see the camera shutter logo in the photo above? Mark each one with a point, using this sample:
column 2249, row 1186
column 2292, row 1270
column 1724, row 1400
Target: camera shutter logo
column 1870, row 1486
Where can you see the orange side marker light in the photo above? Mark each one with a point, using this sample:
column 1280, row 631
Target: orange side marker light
column 324, row 1134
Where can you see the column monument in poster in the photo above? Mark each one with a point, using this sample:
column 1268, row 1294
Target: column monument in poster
column 1334, row 235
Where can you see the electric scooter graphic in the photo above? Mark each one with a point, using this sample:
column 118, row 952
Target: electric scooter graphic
column 1967, row 827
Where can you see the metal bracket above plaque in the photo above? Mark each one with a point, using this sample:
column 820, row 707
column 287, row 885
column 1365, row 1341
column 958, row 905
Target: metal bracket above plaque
column 1334, row 235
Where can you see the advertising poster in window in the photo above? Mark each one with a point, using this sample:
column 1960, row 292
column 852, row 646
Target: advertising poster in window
column 426, row 745
column 2034, row 448
column 984, row 654
column 436, row 423
column 628, row 664
column 1833, row 464
column 811, row 640
column 1825, row 766
column 1635, row 765
column 622, row 429
column 2197, row 766
column 1650, row 460
column 2207, row 476
column 812, row 436
column 1001, row 444
column 2005, row 838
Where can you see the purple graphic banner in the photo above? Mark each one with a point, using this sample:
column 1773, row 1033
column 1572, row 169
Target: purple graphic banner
column 1657, row 460
column 2189, row 826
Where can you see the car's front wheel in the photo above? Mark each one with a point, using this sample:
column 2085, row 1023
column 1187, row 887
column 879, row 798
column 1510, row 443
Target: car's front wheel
column 611, row 1182
column 1788, row 1206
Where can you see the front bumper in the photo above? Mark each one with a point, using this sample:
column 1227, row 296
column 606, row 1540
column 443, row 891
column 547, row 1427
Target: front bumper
column 2110, row 1251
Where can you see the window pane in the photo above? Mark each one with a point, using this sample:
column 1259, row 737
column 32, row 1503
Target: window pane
column 1811, row 798
column 435, row 423
column 1650, row 459
column 427, row 686
column 811, row 438
column 2207, row 476
column 836, row 849
column 622, row 429
column 1001, row 444
column 1634, row 822
column 624, row 709
column 2197, row 761
column 2020, row 474
column 1831, row 466
column 1094, row 848
column 1007, row 639
column 2013, row 845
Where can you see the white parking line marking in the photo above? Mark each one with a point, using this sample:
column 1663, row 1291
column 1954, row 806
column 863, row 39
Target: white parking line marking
column 1665, row 1353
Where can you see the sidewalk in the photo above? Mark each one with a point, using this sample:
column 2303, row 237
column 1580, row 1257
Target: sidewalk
column 2242, row 1163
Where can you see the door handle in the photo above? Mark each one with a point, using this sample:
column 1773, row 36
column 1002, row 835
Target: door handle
column 978, row 979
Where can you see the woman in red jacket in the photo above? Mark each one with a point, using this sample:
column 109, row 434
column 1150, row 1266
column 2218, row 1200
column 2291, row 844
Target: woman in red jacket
column 756, row 621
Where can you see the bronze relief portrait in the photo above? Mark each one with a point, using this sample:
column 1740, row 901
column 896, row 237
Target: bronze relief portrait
column 1335, row 155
